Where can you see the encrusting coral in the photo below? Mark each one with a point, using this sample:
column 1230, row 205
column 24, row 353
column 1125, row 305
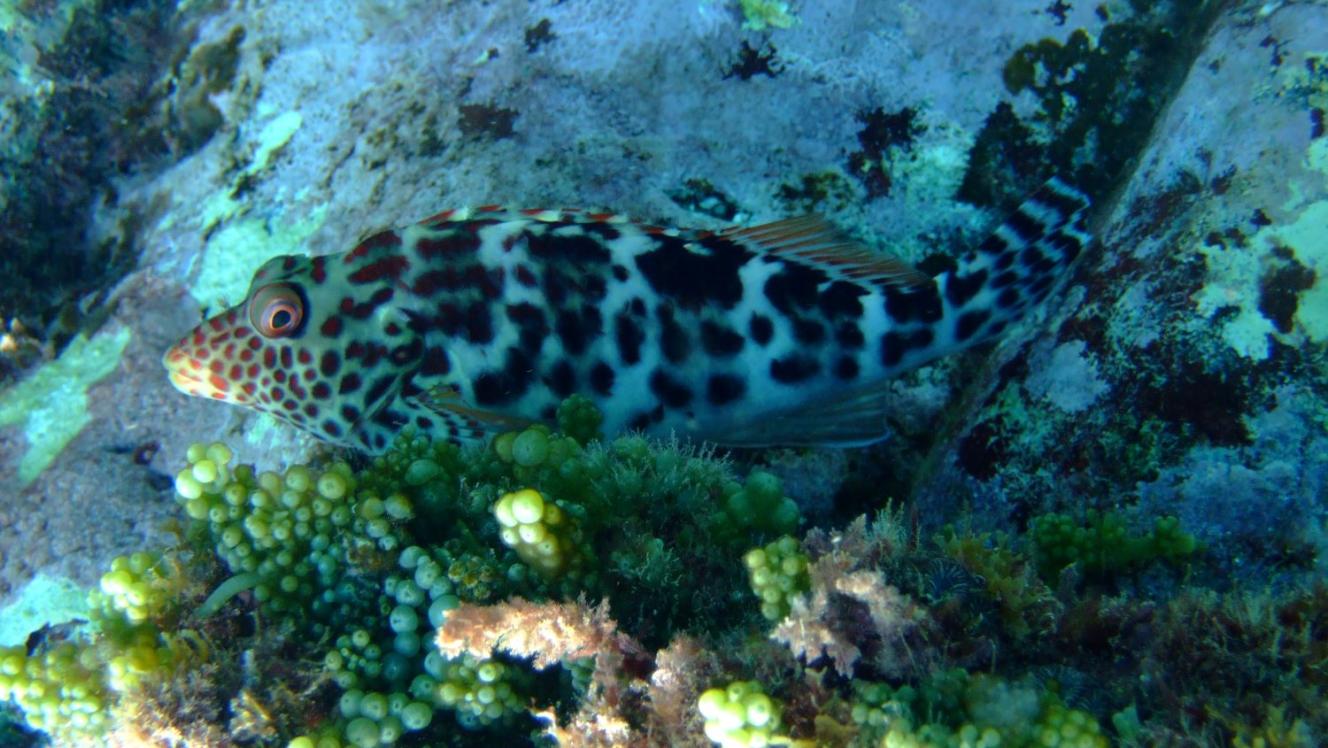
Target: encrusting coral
column 418, row 599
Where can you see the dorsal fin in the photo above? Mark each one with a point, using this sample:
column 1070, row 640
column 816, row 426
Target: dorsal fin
column 814, row 240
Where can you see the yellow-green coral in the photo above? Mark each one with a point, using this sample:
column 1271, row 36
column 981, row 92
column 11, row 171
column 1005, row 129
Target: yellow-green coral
column 741, row 716
column 778, row 573
column 62, row 692
column 537, row 529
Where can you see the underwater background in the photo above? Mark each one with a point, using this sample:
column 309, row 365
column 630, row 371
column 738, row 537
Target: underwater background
column 1107, row 527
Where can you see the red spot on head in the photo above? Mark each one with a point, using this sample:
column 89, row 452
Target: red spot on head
column 381, row 239
column 246, row 355
column 236, row 372
column 252, row 371
column 219, row 384
column 318, row 271
column 217, row 366
column 600, row 217
column 304, row 356
column 255, row 343
column 242, row 332
column 495, row 208
column 331, row 327
column 387, row 267
column 217, row 323
column 198, row 338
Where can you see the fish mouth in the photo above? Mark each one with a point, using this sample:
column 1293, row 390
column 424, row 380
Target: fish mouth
column 191, row 377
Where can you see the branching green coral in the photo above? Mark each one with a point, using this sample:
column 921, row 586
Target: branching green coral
column 952, row 709
column 1102, row 545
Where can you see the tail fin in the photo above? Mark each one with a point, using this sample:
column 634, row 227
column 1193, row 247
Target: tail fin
column 1015, row 267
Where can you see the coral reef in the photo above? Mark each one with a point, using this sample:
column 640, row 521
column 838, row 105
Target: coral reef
column 1107, row 527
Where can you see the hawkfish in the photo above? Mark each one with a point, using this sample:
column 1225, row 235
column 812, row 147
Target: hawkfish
column 472, row 322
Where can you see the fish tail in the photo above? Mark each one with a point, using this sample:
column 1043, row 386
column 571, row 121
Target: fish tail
column 1015, row 267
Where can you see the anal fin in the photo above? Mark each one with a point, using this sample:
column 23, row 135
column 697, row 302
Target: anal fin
column 462, row 422
column 845, row 418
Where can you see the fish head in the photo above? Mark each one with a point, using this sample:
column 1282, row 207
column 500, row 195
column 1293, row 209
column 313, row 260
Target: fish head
column 299, row 348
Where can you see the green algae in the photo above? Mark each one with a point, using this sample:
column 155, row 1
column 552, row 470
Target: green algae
column 52, row 404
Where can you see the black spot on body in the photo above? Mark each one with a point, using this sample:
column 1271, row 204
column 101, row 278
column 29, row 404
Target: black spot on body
column 628, row 334
column 435, row 362
column 969, row 323
column 695, row 279
column 350, row 413
column 849, row 335
column 807, row 331
column 571, row 331
column 554, row 286
column 761, row 329
column 572, row 249
column 793, row 287
column 620, row 273
column 1025, row 226
column 349, row 383
column 724, row 388
column 846, row 368
column 841, row 299
column 1069, row 246
column 960, row 289
column 479, row 323
column 533, row 328
column 670, row 391
column 507, row 384
column 673, row 340
column 1030, row 257
column 562, row 380
column 719, row 340
column 330, row 363
column 332, row 428
column 993, row 245
column 601, row 378
column 794, row 368
column 918, row 305
column 895, row 344
column 379, row 388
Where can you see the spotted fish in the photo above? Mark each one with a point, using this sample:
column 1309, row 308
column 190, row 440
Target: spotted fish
column 471, row 322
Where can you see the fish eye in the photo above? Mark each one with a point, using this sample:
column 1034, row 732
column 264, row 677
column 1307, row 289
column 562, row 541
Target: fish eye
column 276, row 310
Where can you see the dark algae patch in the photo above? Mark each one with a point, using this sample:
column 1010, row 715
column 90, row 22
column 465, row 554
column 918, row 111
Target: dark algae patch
column 68, row 145
column 883, row 133
column 1098, row 97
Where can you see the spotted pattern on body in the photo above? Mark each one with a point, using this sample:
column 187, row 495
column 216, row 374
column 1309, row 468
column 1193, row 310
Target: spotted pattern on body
column 471, row 322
